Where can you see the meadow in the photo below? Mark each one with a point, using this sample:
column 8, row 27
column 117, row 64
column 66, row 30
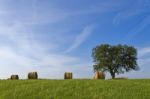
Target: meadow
column 75, row 89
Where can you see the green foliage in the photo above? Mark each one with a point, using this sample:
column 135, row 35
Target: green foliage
column 75, row 89
column 115, row 59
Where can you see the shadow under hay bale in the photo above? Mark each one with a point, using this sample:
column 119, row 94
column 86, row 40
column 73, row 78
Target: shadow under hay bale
column 68, row 75
column 14, row 77
column 99, row 75
column 32, row 75
column 120, row 78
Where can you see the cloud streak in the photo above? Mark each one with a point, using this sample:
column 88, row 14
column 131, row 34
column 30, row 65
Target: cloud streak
column 24, row 51
column 136, row 30
column 144, row 51
column 81, row 38
column 136, row 8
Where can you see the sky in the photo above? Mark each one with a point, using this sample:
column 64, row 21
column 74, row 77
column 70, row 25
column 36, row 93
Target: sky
column 57, row 36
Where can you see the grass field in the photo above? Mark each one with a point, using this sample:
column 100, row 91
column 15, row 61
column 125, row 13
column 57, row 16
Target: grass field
column 75, row 89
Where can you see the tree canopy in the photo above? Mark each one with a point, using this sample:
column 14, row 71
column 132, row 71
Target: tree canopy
column 114, row 59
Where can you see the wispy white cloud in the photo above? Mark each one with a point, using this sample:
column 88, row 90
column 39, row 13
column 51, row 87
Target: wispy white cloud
column 144, row 57
column 24, row 53
column 81, row 38
column 13, row 63
column 139, row 28
column 37, row 14
column 143, row 62
column 137, row 8
column 144, row 51
column 132, row 10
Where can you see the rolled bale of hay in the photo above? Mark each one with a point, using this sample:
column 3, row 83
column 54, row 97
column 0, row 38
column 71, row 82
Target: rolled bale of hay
column 32, row 75
column 68, row 75
column 99, row 75
column 14, row 77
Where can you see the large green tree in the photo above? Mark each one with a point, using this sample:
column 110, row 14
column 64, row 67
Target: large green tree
column 114, row 59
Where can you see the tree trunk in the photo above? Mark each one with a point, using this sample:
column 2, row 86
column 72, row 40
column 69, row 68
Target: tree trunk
column 112, row 75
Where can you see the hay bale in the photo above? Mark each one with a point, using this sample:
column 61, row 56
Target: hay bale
column 32, row 75
column 68, row 75
column 99, row 75
column 14, row 77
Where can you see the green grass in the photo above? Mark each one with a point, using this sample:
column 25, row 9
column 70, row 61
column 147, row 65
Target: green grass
column 75, row 89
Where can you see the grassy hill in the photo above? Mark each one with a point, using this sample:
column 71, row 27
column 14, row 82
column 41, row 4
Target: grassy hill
column 75, row 89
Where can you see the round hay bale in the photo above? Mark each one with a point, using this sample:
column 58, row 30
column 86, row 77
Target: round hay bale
column 14, row 77
column 68, row 75
column 99, row 75
column 32, row 75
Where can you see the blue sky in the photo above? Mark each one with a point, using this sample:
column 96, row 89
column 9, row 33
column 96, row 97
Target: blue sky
column 55, row 36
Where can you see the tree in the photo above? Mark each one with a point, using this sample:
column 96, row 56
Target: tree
column 114, row 59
